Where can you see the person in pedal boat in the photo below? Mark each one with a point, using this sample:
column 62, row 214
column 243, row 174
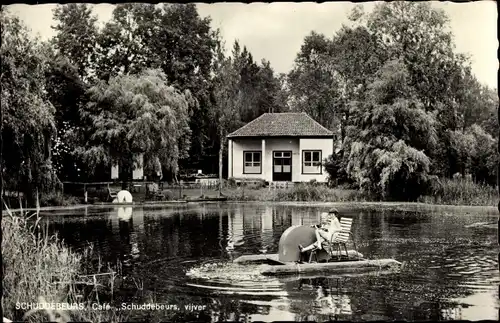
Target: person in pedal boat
column 329, row 227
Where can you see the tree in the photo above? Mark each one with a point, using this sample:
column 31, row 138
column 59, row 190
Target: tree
column 227, row 98
column 27, row 116
column 186, row 46
column 355, row 58
column 420, row 37
column 175, row 39
column 125, row 41
column 269, row 89
column 391, row 137
column 314, row 86
column 138, row 114
column 67, row 93
column 260, row 88
column 76, row 36
column 248, row 84
column 474, row 153
column 479, row 106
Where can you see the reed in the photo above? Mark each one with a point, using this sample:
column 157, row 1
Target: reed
column 461, row 191
column 444, row 191
column 302, row 192
column 39, row 268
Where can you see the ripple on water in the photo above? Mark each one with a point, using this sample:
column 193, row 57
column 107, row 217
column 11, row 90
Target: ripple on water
column 230, row 278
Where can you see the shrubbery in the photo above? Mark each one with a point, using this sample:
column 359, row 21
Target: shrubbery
column 58, row 199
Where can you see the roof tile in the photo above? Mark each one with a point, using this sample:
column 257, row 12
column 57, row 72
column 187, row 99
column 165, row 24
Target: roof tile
column 282, row 124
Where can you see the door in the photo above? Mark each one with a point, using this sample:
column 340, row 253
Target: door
column 282, row 166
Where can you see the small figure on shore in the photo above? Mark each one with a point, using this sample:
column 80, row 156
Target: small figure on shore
column 329, row 227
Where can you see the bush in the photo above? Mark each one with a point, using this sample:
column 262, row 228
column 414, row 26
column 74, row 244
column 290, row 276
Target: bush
column 335, row 166
column 441, row 191
column 307, row 192
column 58, row 199
column 168, row 195
column 231, row 182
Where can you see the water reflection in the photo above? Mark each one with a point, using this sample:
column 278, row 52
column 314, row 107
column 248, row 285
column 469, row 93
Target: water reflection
column 333, row 301
column 124, row 213
column 129, row 223
column 235, row 232
column 452, row 314
column 451, row 267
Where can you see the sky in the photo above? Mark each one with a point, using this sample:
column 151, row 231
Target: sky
column 276, row 31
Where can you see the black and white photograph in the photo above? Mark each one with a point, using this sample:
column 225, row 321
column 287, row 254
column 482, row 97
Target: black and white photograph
column 249, row 162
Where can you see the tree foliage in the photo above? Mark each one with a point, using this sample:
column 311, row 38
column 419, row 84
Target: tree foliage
column 67, row 92
column 28, row 123
column 405, row 105
column 261, row 90
column 391, row 136
column 76, row 37
column 227, row 98
column 314, row 86
column 138, row 114
column 155, row 81
column 123, row 42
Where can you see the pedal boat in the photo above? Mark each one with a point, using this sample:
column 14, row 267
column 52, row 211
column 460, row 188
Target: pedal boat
column 290, row 261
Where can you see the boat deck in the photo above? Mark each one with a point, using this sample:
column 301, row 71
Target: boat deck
column 273, row 267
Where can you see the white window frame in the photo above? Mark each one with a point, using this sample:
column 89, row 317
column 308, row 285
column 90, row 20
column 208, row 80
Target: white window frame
column 252, row 166
column 311, row 165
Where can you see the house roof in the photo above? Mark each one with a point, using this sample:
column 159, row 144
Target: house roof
column 282, row 125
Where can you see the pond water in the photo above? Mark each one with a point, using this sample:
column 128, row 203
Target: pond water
column 165, row 255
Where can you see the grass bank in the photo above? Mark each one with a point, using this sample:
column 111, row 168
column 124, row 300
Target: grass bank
column 445, row 192
column 296, row 193
column 48, row 199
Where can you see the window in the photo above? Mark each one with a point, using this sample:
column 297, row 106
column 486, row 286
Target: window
column 282, row 154
column 311, row 161
column 252, row 162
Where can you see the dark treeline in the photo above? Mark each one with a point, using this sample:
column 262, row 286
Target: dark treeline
column 155, row 80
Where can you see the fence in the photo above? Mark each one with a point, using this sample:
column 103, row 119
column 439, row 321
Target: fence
column 142, row 190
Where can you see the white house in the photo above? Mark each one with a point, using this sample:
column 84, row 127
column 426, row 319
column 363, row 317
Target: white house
column 280, row 147
column 137, row 172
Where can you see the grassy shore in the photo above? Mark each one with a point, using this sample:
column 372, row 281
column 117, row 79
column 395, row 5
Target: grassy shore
column 446, row 192
column 297, row 193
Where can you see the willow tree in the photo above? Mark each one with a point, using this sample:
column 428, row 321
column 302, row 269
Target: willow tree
column 135, row 115
column 174, row 38
column 420, row 36
column 391, row 137
column 27, row 115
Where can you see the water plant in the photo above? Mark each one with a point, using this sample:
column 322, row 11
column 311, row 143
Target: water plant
column 461, row 191
column 39, row 269
column 443, row 191
column 302, row 192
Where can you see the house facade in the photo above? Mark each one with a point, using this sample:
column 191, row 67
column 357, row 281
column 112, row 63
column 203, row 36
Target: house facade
column 137, row 172
column 279, row 147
